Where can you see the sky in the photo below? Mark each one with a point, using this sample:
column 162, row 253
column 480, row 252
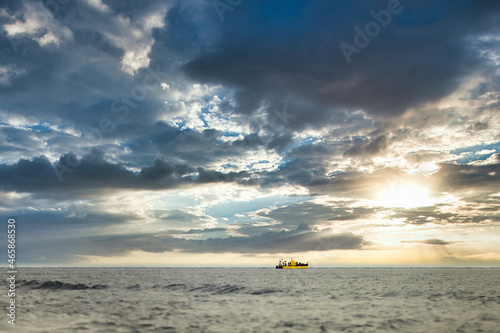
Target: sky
column 238, row 132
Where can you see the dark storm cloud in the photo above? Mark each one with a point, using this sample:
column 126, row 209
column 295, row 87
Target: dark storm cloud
column 455, row 177
column 368, row 147
column 198, row 148
column 94, row 173
column 295, row 52
column 302, row 239
column 424, row 215
column 69, row 74
column 279, row 142
column 476, row 209
column 309, row 213
column 78, row 81
column 54, row 236
column 161, row 169
column 356, row 184
column 73, row 219
column 306, row 165
column 472, row 214
column 281, row 58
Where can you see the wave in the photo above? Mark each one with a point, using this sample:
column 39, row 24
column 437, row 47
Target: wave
column 218, row 290
column 265, row 291
column 207, row 288
column 30, row 283
column 228, row 289
column 134, row 287
column 175, row 286
column 58, row 285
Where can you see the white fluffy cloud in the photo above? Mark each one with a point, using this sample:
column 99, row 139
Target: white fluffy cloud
column 38, row 23
column 134, row 35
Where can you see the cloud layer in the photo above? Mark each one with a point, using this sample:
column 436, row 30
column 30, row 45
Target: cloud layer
column 172, row 127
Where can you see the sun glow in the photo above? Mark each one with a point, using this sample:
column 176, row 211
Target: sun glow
column 405, row 195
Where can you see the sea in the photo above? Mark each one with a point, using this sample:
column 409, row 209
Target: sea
column 339, row 299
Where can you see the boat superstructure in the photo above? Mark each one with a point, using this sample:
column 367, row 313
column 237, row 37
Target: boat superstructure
column 292, row 264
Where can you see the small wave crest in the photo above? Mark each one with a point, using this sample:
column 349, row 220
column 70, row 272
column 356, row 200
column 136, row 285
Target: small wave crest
column 228, row 289
column 265, row 291
column 217, row 289
column 58, row 285
column 175, row 286
column 134, row 287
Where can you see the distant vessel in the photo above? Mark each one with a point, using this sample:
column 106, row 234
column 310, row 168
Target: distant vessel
column 291, row 265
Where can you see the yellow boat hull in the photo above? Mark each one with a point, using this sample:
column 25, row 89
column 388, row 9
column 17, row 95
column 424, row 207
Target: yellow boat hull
column 295, row 267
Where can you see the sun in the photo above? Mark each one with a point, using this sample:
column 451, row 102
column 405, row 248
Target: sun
column 405, row 195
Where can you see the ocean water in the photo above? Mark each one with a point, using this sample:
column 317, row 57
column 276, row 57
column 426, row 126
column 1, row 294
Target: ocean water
column 256, row 300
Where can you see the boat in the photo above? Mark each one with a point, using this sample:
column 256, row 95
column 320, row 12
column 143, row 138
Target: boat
column 292, row 264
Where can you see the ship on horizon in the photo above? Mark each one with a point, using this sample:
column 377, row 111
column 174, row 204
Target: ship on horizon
column 292, row 264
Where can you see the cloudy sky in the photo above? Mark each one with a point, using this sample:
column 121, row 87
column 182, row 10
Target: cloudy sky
column 236, row 132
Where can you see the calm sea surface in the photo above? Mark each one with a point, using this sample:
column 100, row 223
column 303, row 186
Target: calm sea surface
column 255, row 300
